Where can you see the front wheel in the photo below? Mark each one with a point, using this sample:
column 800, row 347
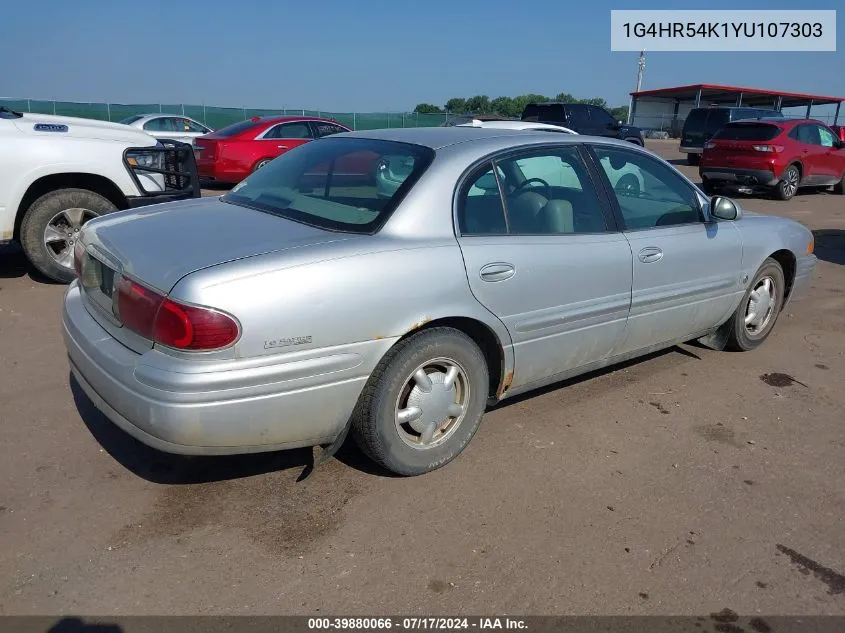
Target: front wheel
column 787, row 187
column 754, row 319
column 423, row 403
column 51, row 228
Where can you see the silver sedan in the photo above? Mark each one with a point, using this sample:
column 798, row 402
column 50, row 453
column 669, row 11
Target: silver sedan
column 302, row 304
column 168, row 126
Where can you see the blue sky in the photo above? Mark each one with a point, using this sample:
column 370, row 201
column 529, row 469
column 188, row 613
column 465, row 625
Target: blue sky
column 366, row 56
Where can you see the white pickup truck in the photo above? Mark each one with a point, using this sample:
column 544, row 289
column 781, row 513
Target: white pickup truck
column 56, row 173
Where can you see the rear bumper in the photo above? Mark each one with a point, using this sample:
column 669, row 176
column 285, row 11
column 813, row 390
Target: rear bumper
column 749, row 177
column 231, row 407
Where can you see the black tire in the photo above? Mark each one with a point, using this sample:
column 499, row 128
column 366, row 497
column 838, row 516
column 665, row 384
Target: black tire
column 739, row 337
column 44, row 211
column 692, row 159
column 839, row 188
column 783, row 190
column 374, row 424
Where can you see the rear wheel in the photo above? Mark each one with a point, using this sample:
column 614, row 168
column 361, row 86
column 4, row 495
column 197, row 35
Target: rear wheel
column 261, row 163
column 692, row 159
column 51, row 228
column 787, row 187
column 423, row 403
column 755, row 317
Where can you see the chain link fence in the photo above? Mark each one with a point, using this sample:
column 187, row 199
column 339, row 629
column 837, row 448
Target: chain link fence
column 216, row 117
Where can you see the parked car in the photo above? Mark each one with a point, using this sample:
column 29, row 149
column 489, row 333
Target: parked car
column 777, row 154
column 702, row 123
column 839, row 130
column 280, row 316
column 584, row 119
column 459, row 119
column 56, row 173
column 232, row 153
column 168, row 126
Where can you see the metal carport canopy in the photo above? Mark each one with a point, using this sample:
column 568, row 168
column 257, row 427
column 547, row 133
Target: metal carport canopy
column 723, row 95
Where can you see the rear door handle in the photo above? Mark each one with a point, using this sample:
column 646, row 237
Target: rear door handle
column 282, row 146
column 498, row 271
column 650, row 254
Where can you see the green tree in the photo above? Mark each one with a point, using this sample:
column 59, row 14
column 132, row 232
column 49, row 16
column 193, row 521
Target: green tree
column 478, row 104
column 620, row 113
column 427, row 108
column 565, row 97
column 504, row 106
column 456, row 105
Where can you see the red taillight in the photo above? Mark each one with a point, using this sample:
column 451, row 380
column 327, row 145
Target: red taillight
column 776, row 149
column 170, row 323
column 709, row 145
column 137, row 306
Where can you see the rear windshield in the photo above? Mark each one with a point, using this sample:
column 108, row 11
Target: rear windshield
column 339, row 184
column 543, row 112
column 236, row 128
column 706, row 120
column 748, row 132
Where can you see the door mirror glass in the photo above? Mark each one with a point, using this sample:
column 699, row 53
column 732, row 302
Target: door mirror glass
column 724, row 208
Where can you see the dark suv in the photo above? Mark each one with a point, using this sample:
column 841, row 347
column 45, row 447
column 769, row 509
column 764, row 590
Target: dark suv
column 702, row 123
column 584, row 119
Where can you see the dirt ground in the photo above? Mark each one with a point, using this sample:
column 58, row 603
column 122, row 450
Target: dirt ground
column 684, row 483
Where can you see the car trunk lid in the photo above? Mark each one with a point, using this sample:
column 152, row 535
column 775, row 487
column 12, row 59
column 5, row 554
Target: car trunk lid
column 159, row 245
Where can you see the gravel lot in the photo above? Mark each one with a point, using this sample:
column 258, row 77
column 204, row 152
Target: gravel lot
column 687, row 482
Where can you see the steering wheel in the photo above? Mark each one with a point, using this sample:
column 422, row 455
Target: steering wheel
column 546, row 185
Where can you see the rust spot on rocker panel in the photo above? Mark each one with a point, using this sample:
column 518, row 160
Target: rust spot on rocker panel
column 506, row 384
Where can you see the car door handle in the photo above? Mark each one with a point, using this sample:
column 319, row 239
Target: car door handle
column 650, row 254
column 282, row 146
column 498, row 271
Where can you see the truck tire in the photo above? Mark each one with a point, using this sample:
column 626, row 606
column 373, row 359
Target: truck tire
column 51, row 227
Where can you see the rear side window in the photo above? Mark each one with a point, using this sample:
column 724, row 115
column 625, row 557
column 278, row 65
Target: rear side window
column 236, row 128
column 748, row 132
column 695, row 120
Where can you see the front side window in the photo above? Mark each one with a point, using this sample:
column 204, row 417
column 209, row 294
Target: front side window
column 329, row 184
column 157, row 125
column 826, row 137
column 600, row 117
column 298, row 129
column 659, row 198
column 193, row 126
column 577, row 115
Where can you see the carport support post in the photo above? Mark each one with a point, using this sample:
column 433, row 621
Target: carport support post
column 631, row 111
column 809, row 105
column 739, row 100
column 698, row 98
column 836, row 115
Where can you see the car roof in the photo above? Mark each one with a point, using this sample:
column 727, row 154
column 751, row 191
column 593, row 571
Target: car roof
column 493, row 138
column 291, row 119
column 782, row 120
column 514, row 125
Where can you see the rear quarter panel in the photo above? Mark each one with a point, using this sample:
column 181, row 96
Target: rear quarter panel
column 318, row 298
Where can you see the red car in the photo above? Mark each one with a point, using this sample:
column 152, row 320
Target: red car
column 232, row 153
column 779, row 154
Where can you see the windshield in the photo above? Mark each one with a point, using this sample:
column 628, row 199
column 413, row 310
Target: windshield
column 747, row 132
column 339, row 184
column 237, row 128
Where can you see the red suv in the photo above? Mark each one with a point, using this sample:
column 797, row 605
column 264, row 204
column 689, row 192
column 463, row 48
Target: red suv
column 232, row 153
column 782, row 154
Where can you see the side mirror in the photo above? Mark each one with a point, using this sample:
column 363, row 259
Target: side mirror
column 620, row 123
column 724, row 208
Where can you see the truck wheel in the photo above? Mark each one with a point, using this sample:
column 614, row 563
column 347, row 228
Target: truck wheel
column 692, row 159
column 423, row 402
column 51, row 227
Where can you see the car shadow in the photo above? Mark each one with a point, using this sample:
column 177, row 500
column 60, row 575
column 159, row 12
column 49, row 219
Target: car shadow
column 165, row 468
column 77, row 625
column 14, row 265
column 830, row 245
column 598, row 373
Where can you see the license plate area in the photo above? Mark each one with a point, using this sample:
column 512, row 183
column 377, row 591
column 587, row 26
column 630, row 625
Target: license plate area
column 99, row 282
